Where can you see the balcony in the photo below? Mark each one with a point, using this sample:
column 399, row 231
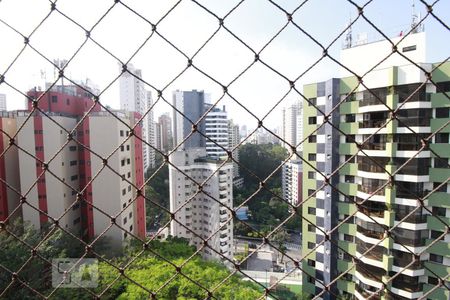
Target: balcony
column 372, row 209
column 367, row 291
column 370, row 233
column 370, row 272
column 407, row 283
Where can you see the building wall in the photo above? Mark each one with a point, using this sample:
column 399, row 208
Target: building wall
column 43, row 139
column 358, row 230
column 9, row 170
column 206, row 213
column 110, row 193
column 292, row 181
column 191, row 107
column 216, row 131
column 2, row 102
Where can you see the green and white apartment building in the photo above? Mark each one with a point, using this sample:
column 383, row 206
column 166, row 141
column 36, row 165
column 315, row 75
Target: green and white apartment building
column 381, row 219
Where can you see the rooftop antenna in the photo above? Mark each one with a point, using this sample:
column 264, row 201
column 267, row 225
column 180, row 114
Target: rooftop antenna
column 348, row 36
column 415, row 26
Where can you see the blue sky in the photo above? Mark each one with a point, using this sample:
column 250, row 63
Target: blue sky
column 188, row 27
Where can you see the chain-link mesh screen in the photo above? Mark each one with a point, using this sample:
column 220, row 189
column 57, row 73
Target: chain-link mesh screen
column 371, row 217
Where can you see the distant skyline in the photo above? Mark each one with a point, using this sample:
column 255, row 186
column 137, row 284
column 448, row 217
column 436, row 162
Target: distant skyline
column 188, row 26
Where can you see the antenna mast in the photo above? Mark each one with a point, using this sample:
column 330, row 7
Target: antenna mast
column 348, row 36
column 415, row 26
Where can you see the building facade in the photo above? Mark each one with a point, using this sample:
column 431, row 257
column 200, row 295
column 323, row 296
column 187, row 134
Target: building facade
column 207, row 213
column 135, row 98
column 216, row 131
column 292, row 125
column 234, row 139
column 2, row 102
column 381, row 198
column 190, row 107
column 9, row 168
column 291, row 181
column 164, row 133
column 68, row 189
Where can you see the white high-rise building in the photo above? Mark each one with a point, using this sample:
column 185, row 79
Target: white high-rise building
column 233, row 141
column 2, row 102
column 292, row 126
column 206, row 213
column 216, row 130
column 150, row 126
column 299, row 128
column 292, row 181
column 135, row 98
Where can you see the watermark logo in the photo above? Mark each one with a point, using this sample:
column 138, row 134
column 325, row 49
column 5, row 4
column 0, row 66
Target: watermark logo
column 75, row 272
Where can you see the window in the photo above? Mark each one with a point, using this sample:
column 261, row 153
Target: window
column 122, row 148
column 129, row 175
column 349, row 179
column 311, row 228
column 73, row 162
column 409, row 48
column 125, row 220
column 349, row 238
column 312, row 101
column 128, row 147
column 433, row 280
column 440, row 162
column 121, row 133
column 54, row 98
column 311, row 175
column 74, row 177
column 124, row 191
column 122, row 162
column 129, row 188
column 312, row 120
column 441, row 138
column 439, row 211
column 442, row 112
column 435, row 234
column 128, row 161
column 312, row 156
column 311, row 263
column 349, row 118
column 72, row 148
column 68, row 101
column 311, row 210
column 350, row 138
column 311, row 245
column 76, row 221
column 436, row 258
column 312, row 139
column 310, row 192
column 440, row 188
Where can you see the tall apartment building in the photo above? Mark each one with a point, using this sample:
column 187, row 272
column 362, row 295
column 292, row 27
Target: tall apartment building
column 234, row 139
column 216, row 131
column 382, row 250
column 292, row 125
column 2, row 102
column 164, row 133
column 291, row 181
column 206, row 213
column 150, row 128
column 135, row 98
column 9, row 166
column 71, row 166
column 191, row 107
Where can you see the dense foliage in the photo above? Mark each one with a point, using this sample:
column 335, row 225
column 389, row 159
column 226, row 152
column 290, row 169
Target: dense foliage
column 157, row 191
column 266, row 210
column 151, row 270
